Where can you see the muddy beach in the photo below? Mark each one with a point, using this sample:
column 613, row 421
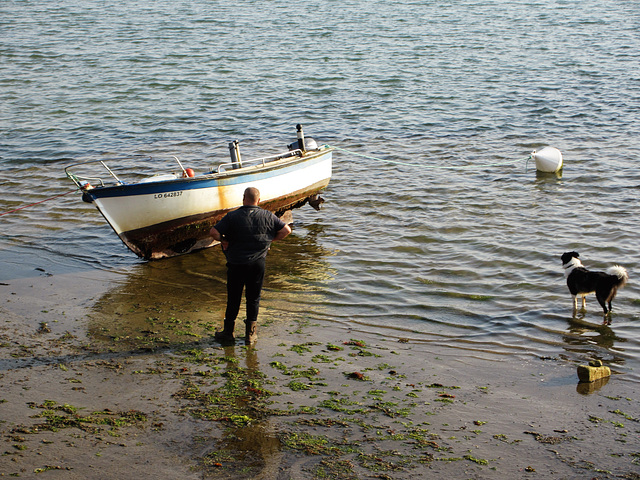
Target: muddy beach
column 135, row 390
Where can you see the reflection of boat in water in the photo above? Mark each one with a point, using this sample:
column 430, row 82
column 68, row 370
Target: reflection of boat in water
column 168, row 215
column 182, row 300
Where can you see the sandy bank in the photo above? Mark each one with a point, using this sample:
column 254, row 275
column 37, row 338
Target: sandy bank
column 82, row 399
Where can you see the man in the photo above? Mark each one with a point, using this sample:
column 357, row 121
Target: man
column 246, row 235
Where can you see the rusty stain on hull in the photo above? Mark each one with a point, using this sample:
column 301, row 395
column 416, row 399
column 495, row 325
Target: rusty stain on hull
column 189, row 234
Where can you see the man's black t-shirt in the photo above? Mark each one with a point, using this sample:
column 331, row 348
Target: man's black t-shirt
column 250, row 231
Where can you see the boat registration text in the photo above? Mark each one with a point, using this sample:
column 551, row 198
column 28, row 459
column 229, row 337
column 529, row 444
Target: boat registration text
column 167, row 195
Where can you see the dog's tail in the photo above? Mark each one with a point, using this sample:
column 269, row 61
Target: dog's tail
column 619, row 272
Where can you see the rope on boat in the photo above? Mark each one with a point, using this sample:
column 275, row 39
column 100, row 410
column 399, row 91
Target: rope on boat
column 434, row 167
column 37, row 203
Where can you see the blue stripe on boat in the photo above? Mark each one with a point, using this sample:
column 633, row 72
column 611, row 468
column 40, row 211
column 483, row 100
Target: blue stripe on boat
column 233, row 178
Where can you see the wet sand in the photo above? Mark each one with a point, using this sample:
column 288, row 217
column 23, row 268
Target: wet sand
column 81, row 397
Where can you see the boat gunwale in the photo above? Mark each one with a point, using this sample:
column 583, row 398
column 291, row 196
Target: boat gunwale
column 278, row 162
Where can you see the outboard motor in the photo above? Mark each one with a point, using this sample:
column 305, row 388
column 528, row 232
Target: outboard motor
column 310, row 144
column 302, row 143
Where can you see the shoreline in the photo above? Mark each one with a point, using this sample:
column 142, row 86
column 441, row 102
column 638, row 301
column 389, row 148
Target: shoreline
column 311, row 400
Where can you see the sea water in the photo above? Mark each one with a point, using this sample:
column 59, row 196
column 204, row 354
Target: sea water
column 435, row 228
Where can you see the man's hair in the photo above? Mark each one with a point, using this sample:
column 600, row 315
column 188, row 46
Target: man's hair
column 252, row 194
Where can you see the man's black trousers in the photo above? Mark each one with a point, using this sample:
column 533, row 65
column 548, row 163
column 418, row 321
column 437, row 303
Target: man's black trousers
column 239, row 277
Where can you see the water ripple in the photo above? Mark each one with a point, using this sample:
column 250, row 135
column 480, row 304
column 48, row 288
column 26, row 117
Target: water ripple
column 465, row 258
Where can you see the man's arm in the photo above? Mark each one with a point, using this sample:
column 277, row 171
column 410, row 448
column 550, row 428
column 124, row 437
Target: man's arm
column 218, row 237
column 215, row 234
column 282, row 233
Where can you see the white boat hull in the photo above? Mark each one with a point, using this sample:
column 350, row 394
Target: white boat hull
column 164, row 218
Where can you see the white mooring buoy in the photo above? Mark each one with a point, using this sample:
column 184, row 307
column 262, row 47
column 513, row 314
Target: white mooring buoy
column 548, row 159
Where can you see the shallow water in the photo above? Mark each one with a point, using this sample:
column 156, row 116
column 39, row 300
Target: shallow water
column 405, row 245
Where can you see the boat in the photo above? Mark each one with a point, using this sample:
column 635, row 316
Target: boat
column 171, row 214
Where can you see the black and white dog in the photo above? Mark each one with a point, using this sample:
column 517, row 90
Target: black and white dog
column 582, row 282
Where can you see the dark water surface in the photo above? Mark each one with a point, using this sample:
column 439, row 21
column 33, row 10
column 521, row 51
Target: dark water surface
column 405, row 246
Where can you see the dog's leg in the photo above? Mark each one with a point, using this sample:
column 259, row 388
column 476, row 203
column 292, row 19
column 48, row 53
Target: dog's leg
column 575, row 304
column 584, row 302
column 602, row 300
column 611, row 296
